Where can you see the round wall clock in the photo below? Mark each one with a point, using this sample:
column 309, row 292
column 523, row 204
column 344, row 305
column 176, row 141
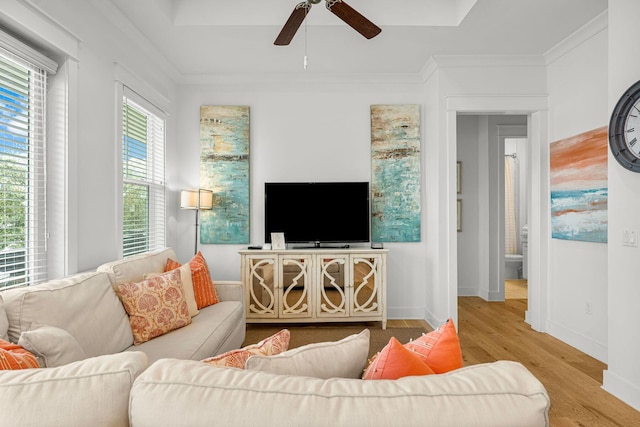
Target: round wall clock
column 624, row 129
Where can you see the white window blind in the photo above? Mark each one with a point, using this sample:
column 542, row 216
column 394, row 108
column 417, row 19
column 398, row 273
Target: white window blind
column 143, row 140
column 23, row 231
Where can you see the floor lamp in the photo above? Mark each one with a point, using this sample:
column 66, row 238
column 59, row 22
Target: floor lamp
column 197, row 200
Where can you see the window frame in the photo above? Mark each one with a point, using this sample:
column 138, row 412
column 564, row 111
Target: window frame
column 157, row 189
column 34, row 157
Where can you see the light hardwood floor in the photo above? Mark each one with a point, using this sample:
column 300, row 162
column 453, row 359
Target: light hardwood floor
column 491, row 331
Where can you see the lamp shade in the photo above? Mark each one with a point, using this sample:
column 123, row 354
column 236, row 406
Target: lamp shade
column 206, row 199
column 196, row 199
column 189, row 199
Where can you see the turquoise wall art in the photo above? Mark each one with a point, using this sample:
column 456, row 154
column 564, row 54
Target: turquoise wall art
column 579, row 187
column 224, row 169
column 395, row 173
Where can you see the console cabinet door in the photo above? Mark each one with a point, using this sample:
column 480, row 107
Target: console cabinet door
column 261, row 286
column 295, row 292
column 367, row 297
column 332, row 281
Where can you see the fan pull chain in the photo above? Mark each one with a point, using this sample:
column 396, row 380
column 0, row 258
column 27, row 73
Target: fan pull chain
column 305, row 62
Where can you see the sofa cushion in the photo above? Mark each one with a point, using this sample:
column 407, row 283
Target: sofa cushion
column 440, row 348
column 4, row 322
column 395, row 361
column 14, row 357
column 187, row 284
column 203, row 287
column 91, row 392
column 133, row 268
column 92, row 312
column 340, row 359
column 216, row 329
column 155, row 306
column 52, row 346
column 188, row 393
column 275, row 344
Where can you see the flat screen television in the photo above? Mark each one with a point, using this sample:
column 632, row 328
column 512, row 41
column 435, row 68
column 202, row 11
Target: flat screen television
column 317, row 212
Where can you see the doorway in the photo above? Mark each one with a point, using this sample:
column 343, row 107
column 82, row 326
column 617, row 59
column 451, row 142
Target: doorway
column 486, row 281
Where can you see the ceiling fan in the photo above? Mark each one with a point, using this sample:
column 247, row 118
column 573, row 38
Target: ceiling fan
column 339, row 8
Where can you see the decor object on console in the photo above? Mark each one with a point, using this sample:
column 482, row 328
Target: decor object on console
column 315, row 285
column 197, row 200
column 395, row 173
column 224, row 167
column 579, row 187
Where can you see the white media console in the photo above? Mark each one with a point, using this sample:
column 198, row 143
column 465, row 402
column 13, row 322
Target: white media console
column 315, row 285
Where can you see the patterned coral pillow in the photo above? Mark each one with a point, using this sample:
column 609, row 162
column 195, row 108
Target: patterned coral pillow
column 275, row 344
column 155, row 306
column 13, row 357
column 203, row 287
column 395, row 361
column 187, row 284
column 440, row 349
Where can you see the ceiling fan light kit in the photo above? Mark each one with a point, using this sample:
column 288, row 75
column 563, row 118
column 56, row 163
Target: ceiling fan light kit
column 339, row 8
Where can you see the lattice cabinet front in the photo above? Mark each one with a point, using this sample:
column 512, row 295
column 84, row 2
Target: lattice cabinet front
column 314, row 285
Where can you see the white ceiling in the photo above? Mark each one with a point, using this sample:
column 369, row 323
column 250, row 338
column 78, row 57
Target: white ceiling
column 216, row 37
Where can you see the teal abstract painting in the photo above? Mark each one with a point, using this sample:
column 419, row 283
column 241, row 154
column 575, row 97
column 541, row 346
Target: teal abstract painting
column 395, row 173
column 224, row 169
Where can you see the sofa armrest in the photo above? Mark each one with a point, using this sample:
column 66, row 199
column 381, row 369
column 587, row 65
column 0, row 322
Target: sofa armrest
column 229, row 290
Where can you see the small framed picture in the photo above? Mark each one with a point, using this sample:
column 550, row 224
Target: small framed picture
column 277, row 241
column 459, row 209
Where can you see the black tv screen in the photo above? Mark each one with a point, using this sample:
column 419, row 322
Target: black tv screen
column 318, row 212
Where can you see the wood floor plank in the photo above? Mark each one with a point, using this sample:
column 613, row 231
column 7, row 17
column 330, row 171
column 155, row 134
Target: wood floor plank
column 491, row 331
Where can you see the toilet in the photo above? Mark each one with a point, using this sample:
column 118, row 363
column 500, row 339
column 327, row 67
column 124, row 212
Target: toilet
column 512, row 266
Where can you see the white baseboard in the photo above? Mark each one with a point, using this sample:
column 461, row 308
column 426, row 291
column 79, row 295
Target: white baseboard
column 582, row 343
column 468, row 292
column 622, row 389
column 405, row 313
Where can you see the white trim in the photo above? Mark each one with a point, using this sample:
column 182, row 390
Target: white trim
column 536, row 107
column 488, row 61
column 142, row 89
column 621, row 388
column 27, row 53
column 583, row 34
column 581, row 342
column 30, row 20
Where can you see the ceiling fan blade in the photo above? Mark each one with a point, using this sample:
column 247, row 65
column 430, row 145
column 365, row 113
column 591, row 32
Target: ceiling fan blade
column 293, row 23
column 354, row 19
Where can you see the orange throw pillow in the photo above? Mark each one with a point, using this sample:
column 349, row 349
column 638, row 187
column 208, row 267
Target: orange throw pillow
column 14, row 357
column 155, row 306
column 440, row 349
column 203, row 287
column 395, row 361
column 275, row 344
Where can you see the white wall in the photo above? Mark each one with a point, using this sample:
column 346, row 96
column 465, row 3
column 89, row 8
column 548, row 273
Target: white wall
column 622, row 377
column 310, row 132
column 104, row 52
column 577, row 79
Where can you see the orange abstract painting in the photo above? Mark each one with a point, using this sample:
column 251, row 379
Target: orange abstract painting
column 579, row 188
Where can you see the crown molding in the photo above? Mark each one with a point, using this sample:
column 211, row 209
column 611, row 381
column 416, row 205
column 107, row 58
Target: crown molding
column 590, row 29
column 301, row 78
column 488, row 61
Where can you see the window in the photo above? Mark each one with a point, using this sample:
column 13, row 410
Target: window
column 23, row 232
column 143, row 199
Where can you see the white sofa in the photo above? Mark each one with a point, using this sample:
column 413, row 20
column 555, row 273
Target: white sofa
column 88, row 309
column 120, row 385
